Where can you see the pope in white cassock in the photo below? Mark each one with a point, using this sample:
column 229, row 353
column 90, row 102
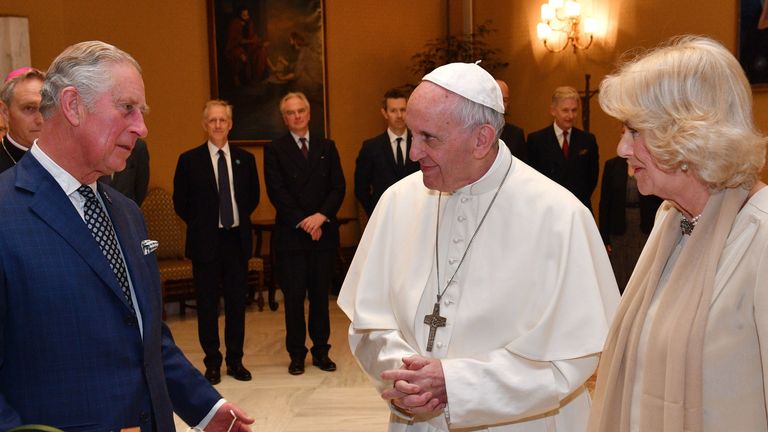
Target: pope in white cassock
column 480, row 294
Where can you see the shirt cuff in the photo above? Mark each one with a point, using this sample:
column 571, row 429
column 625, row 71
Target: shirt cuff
column 207, row 419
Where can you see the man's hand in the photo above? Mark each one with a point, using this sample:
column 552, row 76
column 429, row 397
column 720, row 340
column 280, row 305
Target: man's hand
column 316, row 234
column 229, row 418
column 419, row 386
column 312, row 223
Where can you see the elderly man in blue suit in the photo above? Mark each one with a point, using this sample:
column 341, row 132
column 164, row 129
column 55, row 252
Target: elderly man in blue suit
column 82, row 343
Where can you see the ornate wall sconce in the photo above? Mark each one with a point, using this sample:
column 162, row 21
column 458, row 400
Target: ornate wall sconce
column 562, row 24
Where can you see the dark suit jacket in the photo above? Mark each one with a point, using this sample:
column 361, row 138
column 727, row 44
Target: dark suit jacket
column 196, row 199
column 376, row 170
column 514, row 138
column 301, row 187
column 134, row 179
column 579, row 172
column 72, row 354
column 12, row 152
column 613, row 201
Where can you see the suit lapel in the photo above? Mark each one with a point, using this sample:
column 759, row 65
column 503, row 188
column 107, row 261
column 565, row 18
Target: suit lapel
column 54, row 208
column 555, row 146
column 238, row 175
column 386, row 148
column 130, row 245
column 206, row 168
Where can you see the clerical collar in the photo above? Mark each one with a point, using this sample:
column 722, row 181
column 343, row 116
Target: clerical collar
column 490, row 180
column 15, row 144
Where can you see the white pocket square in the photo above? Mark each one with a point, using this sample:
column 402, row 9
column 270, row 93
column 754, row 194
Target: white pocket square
column 149, row 246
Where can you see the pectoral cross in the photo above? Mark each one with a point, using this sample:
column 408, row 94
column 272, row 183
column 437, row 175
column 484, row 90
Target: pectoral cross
column 433, row 320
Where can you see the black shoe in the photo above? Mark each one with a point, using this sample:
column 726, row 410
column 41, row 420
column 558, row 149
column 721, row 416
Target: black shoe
column 296, row 367
column 213, row 375
column 324, row 363
column 239, row 372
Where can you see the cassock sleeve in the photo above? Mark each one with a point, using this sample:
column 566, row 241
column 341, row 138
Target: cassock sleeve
column 501, row 387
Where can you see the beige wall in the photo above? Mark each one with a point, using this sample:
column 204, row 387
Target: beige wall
column 534, row 72
column 368, row 50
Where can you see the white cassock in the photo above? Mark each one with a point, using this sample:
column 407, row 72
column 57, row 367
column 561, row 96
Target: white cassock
column 527, row 312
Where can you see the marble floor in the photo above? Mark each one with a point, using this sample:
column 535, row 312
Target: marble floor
column 317, row 401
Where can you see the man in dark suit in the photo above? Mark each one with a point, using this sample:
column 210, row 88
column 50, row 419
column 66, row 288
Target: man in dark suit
column 513, row 136
column 133, row 181
column 306, row 185
column 564, row 153
column 83, row 343
column 20, row 97
column 383, row 160
column 215, row 190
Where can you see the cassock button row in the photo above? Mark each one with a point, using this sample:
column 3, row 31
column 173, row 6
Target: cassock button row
column 457, row 240
column 461, row 218
column 452, row 261
column 439, row 344
column 447, row 301
column 464, row 199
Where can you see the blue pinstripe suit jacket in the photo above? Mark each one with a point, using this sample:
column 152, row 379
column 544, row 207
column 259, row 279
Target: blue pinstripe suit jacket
column 71, row 354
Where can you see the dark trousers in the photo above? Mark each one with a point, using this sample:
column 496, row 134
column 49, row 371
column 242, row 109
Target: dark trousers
column 225, row 276
column 302, row 274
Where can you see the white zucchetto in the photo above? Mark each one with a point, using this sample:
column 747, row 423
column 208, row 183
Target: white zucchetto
column 470, row 81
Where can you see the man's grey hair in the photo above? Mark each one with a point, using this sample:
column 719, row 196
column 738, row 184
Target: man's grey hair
column 474, row 114
column 84, row 66
column 6, row 92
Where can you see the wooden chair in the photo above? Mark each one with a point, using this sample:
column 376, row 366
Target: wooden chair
column 165, row 226
column 256, row 281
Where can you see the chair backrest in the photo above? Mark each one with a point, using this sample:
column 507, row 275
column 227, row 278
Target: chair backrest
column 163, row 224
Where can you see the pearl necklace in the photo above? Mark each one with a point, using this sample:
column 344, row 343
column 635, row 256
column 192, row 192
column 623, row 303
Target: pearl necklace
column 687, row 226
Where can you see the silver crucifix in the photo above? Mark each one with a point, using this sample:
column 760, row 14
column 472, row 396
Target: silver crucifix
column 434, row 320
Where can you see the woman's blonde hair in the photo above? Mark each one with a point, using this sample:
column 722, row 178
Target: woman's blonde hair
column 693, row 104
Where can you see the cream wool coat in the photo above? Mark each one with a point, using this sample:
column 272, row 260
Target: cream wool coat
column 528, row 313
column 736, row 340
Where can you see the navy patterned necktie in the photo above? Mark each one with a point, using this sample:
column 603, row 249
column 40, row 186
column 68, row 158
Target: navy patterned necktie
column 101, row 228
column 226, row 212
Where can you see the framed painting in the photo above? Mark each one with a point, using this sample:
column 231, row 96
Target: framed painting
column 753, row 41
column 260, row 50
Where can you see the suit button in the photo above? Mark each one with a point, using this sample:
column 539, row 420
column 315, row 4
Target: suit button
column 144, row 417
column 130, row 321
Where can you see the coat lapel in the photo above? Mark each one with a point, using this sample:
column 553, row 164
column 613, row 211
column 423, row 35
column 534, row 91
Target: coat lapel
column 206, row 168
column 130, row 245
column 54, row 208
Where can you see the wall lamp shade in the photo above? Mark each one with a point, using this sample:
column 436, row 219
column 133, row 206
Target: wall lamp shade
column 563, row 25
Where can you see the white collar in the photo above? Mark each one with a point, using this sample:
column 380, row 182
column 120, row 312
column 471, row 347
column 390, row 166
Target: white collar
column 15, row 144
column 67, row 182
column 213, row 150
column 491, row 179
column 393, row 136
